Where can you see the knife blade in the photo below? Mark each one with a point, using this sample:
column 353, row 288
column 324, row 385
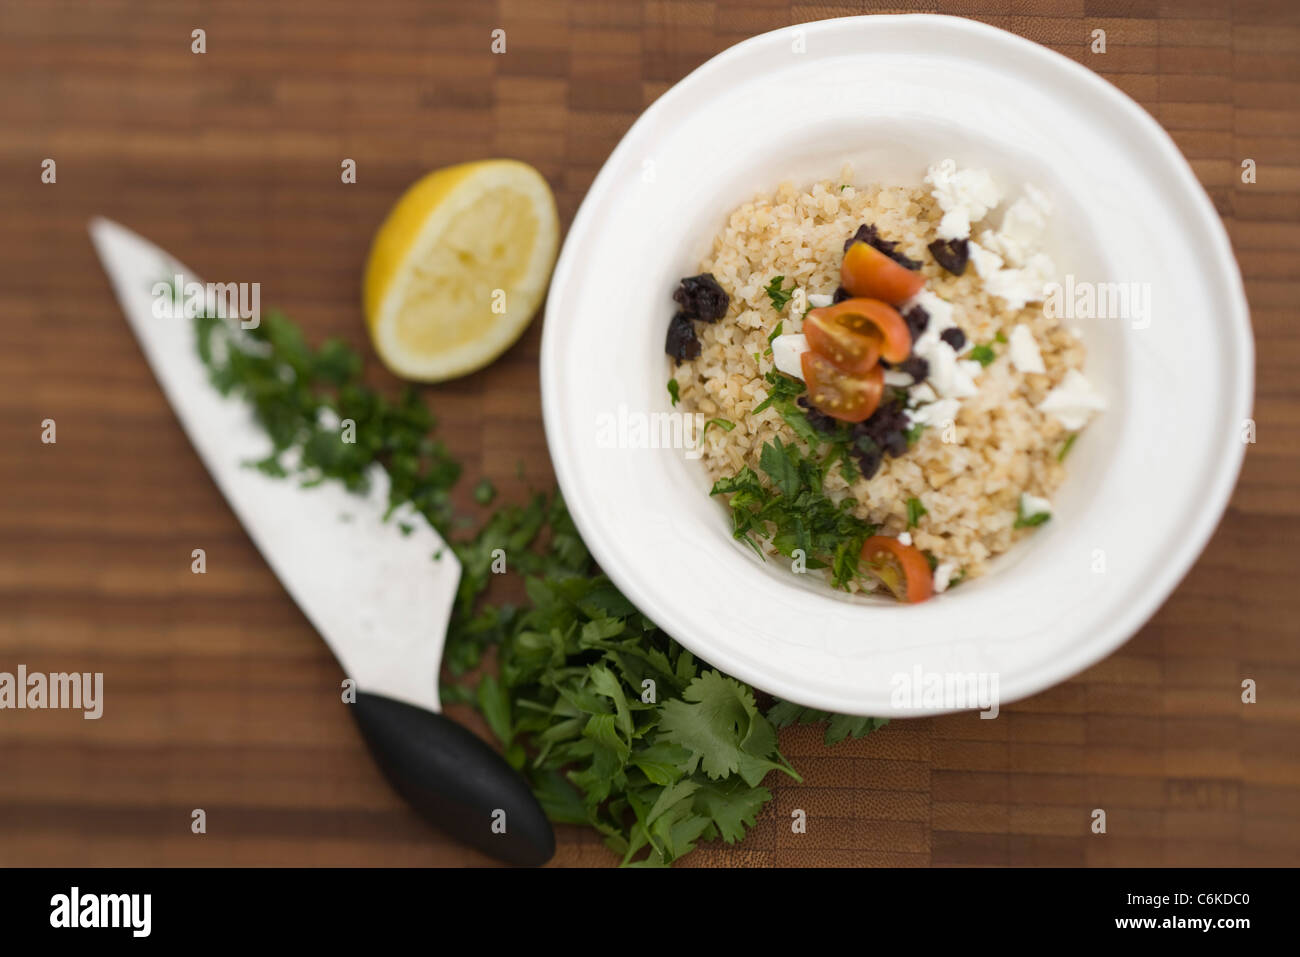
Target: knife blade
column 381, row 599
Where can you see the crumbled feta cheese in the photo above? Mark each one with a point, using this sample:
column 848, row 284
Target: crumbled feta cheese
column 819, row 300
column 1073, row 401
column 900, row 380
column 971, row 367
column 1025, row 285
column 965, row 196
column 936, row 414
column 905, row 538
column 943, row 573
column 1023, row 349
column 1031, row 505
column 786, row 351
column 939, row 310
column 1022, row 229
column 947, row 376
column 985, row 261
column 922, row 393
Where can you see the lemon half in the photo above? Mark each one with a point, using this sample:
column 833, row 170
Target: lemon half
column 459, row 267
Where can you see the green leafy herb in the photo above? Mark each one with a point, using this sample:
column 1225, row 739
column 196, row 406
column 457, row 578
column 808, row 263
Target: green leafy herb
column 775, row 293
column 723, row 424
column 914, row 433
column 792, row 511
column 673, row 391
column 983, row 354
column 1029, row 521
column 612, row 723
column 1065, row 448
column 1000, row 337
column 775, row 332
column 783, row 714
column 914, row 511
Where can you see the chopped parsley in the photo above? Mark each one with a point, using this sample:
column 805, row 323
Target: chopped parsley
column 791, row 511
column 672, row 391
column 983, row 354
column 1065, row 448
column 1000, row 337
column 914, row 511
column 723, row 424
column 1029, row 521
column 775, row 332
column 838, row 726
column 775, row 293
column 574, row 658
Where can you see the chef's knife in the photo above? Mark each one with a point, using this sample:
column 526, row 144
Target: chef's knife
column 379, row 598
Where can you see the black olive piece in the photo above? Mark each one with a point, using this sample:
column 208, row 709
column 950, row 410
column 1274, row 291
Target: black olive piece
column 917, row 319
column 954, row 337
column 951, row 254
column 841, row 294
column 915, row 366
column 867, row 454
column 868, row 234
column 895, row 443
column 818, row 419
column 682, row 342
column 702, row 298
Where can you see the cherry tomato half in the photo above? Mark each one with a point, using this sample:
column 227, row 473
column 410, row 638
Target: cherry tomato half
column 849, row 398
column 866, row 271
column 863, row 316
column 854, row 350
column 902, row 568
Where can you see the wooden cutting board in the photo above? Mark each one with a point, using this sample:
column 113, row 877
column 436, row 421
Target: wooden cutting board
column 219, row 695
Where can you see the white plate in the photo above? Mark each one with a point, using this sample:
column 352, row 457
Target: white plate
column 1148, row 479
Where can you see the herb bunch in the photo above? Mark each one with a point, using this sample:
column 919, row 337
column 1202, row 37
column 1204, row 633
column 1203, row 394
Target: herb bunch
column 614, row 724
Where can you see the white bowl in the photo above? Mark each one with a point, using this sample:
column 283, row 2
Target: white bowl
column 1148, row 479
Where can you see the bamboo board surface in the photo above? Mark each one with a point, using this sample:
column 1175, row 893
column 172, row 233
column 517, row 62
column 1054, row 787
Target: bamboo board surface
column 220, row 695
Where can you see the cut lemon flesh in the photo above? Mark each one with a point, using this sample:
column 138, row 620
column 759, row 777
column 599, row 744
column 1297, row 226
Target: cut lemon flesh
column 459, row 267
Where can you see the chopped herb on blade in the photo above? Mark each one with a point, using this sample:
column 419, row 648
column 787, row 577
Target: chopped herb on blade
column 654, row 772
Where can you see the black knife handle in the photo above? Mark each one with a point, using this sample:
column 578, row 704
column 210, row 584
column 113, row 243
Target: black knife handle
column 455, row 780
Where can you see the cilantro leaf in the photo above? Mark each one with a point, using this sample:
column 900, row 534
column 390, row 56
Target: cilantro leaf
column 839, row 727
column 717, row 722
column 914, row 511
column 778, row 296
